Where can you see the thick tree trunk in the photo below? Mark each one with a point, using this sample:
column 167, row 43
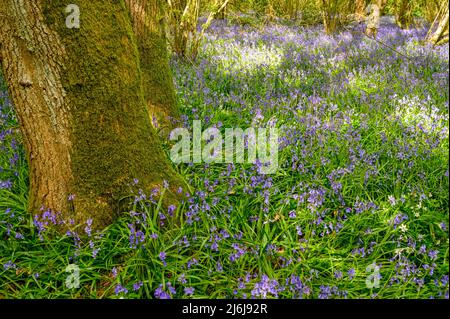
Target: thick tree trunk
column 149, row 26
column 440, row 35
column 79, row 98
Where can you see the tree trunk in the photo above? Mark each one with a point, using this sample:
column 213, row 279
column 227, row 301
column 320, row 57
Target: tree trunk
column 149, row 27
column 183, row 19
column 373, row 20
column 221, row 14
column 360, row 10
column 440, row 35
column 430, row 10
column 80, row 102
column 330, row 15
column 404, row 15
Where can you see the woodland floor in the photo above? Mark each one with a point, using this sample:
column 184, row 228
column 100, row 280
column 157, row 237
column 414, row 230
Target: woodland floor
column 357, row 209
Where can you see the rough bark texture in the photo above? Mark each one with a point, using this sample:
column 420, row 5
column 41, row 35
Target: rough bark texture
column 159, row 92
column 79, row 98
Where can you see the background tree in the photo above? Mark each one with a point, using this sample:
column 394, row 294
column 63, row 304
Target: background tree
column 291, row 8
column 373, row 22
column 183, row 18
column 335, row 13
column 79, row 97
column 330, row 13
column 148, row 17
column 360, row 10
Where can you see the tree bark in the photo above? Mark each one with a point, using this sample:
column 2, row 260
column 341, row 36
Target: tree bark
column 360, row 10
column 373, row 20
column 330, row 15
column 79, row 97
column 150, row 29
column 221, row 14
column 404, row 15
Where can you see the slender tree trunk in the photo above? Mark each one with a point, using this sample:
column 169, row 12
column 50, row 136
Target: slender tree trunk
column 80, row 102
column 221, row 14
column 148, row 18
column 404, row 15
column 440, row 35
column 360, row 10
column 183, row 19
column 330, row 15
column 32, row 63
column 293, row 9
column 430, row 9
